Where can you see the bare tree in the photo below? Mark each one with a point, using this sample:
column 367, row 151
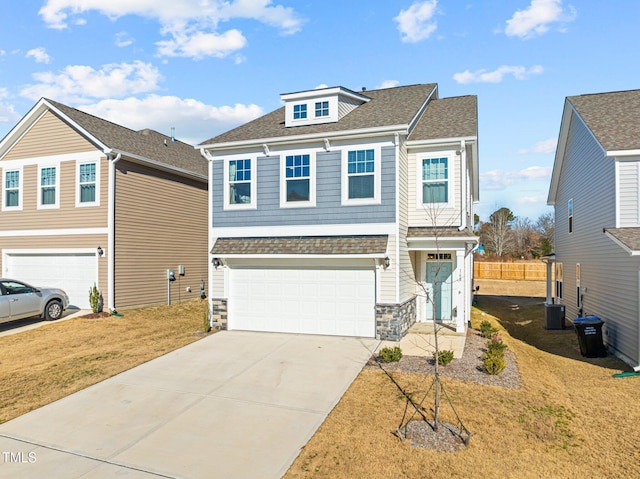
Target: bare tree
column 497, row 234
column 525, row 238
column 546, row 227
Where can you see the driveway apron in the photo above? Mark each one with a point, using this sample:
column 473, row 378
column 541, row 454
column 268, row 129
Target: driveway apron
column 233, row 405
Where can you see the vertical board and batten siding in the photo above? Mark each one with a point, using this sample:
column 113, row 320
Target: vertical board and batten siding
column 328, row 209
column 67, row 216
column 405, row 268
column 49, row 136
column 427, row 215
column 628, row 202
column 607, row 271
column 161, row 223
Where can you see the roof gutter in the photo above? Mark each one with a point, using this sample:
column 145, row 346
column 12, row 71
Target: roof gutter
column 111, row 226
column 282, row 140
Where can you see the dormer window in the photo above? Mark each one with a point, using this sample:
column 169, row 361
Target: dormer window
column 299, row 111
column 322, row 108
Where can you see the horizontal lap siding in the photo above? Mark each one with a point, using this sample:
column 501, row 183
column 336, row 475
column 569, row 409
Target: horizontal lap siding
column 328, row 209
column 49, row 136
column 405, row 271
column 609, row 273
column 161, row 222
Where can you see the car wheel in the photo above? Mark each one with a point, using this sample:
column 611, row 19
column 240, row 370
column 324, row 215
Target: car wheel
column 53, row 310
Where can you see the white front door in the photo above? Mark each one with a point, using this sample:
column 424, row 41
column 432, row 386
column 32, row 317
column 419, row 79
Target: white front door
column 438, row 284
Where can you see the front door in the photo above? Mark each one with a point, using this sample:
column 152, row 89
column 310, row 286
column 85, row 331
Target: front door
column 439, row 290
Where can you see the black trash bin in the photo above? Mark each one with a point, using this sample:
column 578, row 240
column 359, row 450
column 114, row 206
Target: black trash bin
column 589, row 331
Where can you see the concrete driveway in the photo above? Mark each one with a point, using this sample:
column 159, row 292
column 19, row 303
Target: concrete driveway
column 233, row 405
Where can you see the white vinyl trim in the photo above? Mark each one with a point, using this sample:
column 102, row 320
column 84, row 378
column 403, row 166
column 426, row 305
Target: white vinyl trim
column 6, row 170
column 305, row 230
column 60, row 232
column 312, row 180
column 96, row 202
column 56, row 204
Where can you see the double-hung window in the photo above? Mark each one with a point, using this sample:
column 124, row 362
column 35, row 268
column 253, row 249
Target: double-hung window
column 12, row 186
column 435, row 180
column 88, row 184
column 322, row 108
column 361, row 171
column 240, row 182
column 48, row 187
column 300, row 111
column 297, row 182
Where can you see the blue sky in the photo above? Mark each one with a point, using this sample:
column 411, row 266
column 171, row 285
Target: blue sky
column 204, row 66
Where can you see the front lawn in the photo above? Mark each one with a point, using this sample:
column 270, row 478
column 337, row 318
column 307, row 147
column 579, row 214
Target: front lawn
column 45, row 364
column 569, row 418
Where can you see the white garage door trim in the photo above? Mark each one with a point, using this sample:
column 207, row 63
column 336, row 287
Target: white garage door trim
column 331, row 301
column 73, row 269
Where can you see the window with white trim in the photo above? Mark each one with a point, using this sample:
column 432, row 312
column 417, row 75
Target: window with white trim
column 361, row 174
column 12, row 190
column 322, row 108
column 297, row 181
column 48, row 193
column 240, row 183
column 300, row 111
column 87, row 194
column 435, row 180
column 559, row 281
column 570, row 214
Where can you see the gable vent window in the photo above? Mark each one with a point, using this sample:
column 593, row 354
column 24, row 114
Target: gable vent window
column 322, row 108
column 299, row 111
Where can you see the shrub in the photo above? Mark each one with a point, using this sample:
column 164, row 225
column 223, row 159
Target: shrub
column 495, row 345
column 94, row 299
column 390, row 355
column 444, row 357
column 493, row 363
column 487, row 329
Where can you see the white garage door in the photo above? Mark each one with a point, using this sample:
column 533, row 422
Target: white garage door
column 312, row 301
column 73, row 272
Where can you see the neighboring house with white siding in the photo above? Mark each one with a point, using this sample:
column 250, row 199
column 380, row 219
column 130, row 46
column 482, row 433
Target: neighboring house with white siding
column 334, row 213
column 87, row 201
column 595, row 190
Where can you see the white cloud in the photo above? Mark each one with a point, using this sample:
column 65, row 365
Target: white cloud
column 545, row 146
column 389, row 84
column 416, row 23
column 39, row 55
column 501, row 179
column 496, row 76
column 192, row 25
column 8, row 113
column 193, row 120
column 123, row 39
column 537, row 18
column 79, row 83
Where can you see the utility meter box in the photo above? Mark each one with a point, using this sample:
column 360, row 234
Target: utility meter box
column 181, row 270
column 171, row 275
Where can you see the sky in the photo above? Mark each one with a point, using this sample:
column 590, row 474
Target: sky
column 203, row 67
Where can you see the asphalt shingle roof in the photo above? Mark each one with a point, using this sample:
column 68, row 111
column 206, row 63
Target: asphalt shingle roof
column 447, row 232
column 614, row 118
column 388, row 107
column 146, row 143
column 630, row 237
column 453, row 117
column 302, row 245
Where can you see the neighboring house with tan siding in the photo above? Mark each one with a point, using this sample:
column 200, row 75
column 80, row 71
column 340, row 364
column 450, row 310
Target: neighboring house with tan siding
column 595, row 192
column 87, row 201
column 334, row 213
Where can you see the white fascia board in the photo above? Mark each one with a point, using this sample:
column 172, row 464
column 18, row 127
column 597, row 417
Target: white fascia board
column 442, row 239
column 622, row 245
column 423, row 107
column 57, row 232
column 341, row 91
column 441, row 141
column 622, row 153
column 160, row 166
column 363, row 229
column 283, row 140
column 300, row 256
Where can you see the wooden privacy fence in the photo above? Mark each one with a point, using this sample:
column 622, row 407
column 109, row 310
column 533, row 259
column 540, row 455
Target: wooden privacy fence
column 513, row 271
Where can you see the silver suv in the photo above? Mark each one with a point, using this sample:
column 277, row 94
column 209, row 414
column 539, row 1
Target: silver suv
column 19, row 300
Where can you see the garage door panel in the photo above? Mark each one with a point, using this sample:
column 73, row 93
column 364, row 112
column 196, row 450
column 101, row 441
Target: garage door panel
column 313, row 301
column 73, row 272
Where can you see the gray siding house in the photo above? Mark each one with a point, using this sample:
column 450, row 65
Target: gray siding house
column 340, row 212
column 595, row 190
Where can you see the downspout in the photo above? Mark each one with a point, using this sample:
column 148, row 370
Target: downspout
column 111, row 227
column 206, row 155
column 463, row 185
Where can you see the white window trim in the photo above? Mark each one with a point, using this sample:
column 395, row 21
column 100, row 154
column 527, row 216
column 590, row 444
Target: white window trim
column 377, row 182
column 254, row 182
column 312, row 181
column 57, row 186
column 450, row 156
column 20, row 189
column 306, row 112
column 87, row 204
column 328, row 115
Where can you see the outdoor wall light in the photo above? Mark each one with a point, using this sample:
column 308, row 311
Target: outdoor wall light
column 217, row 262
column 100, row 251
column 387, row 262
